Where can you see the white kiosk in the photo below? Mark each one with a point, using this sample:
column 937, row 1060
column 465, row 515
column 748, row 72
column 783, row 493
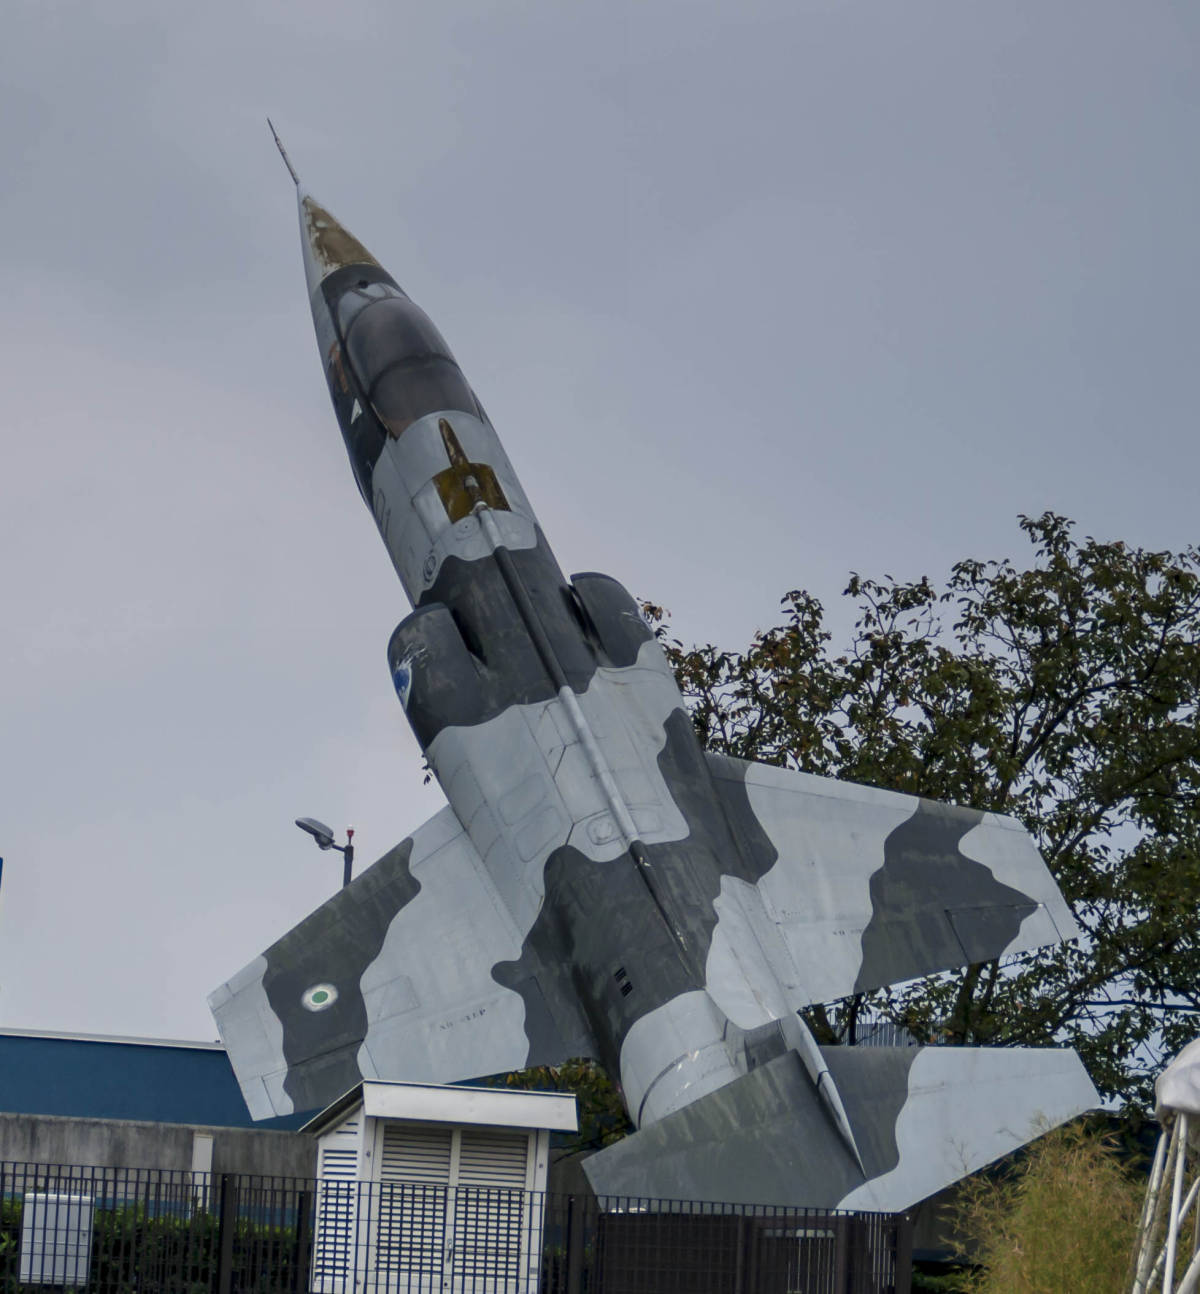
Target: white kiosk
column 429, row 1188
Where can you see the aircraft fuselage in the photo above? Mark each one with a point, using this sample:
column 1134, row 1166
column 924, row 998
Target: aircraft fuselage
column 497, row 630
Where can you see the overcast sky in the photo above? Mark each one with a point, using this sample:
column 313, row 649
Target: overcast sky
column 755, row 294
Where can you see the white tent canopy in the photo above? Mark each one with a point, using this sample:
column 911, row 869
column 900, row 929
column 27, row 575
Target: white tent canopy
column 1174, row 1187
column 1177, row 1088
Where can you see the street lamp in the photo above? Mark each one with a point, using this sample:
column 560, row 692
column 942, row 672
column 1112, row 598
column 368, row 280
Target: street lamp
column 323, row 835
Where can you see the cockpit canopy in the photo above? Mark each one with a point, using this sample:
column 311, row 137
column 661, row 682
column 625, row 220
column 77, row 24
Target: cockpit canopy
column 401, row 361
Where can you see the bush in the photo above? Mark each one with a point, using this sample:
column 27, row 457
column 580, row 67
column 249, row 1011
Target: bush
column 138, row 1251
column 1063, row 1222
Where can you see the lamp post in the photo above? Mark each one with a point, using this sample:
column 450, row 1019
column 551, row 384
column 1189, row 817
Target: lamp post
column 323, row 835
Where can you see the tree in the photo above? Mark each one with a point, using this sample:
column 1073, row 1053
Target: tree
column 1065, row 694
column 602, row 1116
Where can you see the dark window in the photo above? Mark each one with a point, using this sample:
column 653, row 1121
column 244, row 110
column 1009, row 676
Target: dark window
column 411, row 389
column 352, row 302
column 404, row 364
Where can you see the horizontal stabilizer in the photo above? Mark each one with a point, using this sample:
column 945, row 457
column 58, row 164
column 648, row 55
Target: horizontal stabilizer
column 922, row 1117
column 869, row 887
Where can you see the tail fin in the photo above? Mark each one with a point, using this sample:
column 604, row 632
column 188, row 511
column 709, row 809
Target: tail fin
column 922, row 1117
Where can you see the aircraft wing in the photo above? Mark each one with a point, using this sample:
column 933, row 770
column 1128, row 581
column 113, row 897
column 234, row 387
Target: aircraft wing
column 390, row 976
column 871, row 887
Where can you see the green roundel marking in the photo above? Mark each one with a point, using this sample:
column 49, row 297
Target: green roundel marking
column 318, row 997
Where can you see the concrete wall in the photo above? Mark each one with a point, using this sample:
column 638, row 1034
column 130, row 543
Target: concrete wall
column 125, row 1143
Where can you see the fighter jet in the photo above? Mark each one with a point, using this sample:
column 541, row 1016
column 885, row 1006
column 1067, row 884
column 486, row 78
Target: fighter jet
column 598, row 884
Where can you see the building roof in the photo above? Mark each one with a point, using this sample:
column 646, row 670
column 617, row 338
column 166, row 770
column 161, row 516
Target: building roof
column 454, row 1103
column 110, row 1037
column 157, row 1080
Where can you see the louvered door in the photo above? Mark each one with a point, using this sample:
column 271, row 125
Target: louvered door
column 411, row 1237
column 491, row 1210
column 453, row 1210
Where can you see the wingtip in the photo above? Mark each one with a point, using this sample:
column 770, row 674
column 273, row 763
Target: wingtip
column 287, row 161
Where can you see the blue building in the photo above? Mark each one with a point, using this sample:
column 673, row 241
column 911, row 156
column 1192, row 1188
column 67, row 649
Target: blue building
column 136, row 1102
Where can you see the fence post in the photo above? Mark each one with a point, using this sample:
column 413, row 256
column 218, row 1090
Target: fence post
column 225, row 1230
column 575, row 1208
column 842, row 1224
column 303, row 1232
column 904, row 1253
column 743, row 1243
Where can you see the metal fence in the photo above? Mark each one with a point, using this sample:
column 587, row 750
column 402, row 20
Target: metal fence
column 137, row 1231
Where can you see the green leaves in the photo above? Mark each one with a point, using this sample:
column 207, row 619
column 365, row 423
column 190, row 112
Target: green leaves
column 1064, row 693
column 602, row 1117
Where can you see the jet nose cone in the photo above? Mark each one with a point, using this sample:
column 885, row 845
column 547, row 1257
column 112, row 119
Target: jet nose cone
column 328, row 245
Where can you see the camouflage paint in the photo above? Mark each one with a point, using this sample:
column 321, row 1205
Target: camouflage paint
column 922, row 857
column 320, row 1039
column 598, row 885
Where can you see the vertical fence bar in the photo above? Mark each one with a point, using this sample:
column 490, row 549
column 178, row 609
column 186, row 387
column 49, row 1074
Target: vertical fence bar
column 226, row 1227
column 904, row 1253
column 300, row 1252
column 575, row 1244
